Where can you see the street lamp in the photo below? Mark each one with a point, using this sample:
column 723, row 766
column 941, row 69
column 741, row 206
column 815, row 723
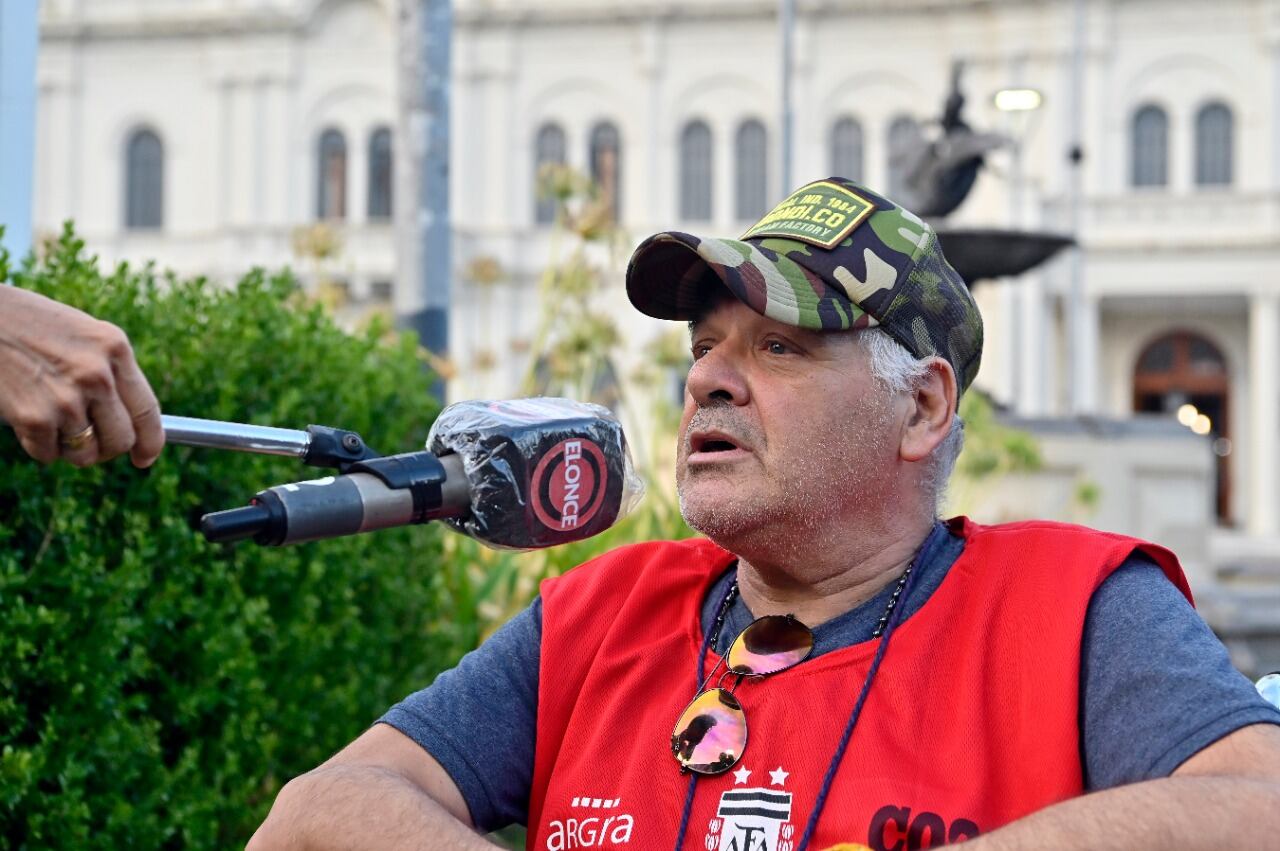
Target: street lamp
column 1017, row 100
column 1019, row 104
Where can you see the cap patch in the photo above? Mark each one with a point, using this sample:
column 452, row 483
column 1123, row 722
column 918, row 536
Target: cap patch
column 820, row 214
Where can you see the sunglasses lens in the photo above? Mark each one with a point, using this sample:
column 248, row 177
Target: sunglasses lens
column 711, row 733
column 769, row 645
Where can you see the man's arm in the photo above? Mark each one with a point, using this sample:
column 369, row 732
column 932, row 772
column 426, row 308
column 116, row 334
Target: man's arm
column 394, row 786
column 382, row 791
column 1226, row 796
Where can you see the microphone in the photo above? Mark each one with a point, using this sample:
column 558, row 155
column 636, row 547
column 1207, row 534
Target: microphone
column 517, row 474
column 1269, row 688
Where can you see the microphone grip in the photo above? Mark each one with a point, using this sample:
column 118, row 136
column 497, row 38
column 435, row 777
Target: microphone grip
column 455, row 491
column 379, row 494
column 235, row 524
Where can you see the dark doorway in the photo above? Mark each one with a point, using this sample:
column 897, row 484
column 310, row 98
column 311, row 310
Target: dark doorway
column 1183, row 369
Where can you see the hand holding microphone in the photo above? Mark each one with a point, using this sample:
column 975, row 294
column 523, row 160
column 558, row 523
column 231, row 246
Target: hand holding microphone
column 69, row 384
column 514, row 474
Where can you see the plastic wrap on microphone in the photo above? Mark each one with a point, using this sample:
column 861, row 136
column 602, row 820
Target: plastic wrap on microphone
column 542, row 471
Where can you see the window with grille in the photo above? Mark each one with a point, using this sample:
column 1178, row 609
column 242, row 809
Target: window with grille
column 605, row 156
column 902, row 134
column 380, row 171
column 1150, row 155
column 144, row 181
column 846, row 148
column 695, row 172
column 1213, row 145
column 549, row 149
column 331, row 175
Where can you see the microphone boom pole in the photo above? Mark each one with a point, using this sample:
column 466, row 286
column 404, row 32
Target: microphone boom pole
column 318, row 446
column 372, row 493
column 514, row 474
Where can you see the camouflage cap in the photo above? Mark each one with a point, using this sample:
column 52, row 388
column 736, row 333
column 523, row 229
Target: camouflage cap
column 832, row 256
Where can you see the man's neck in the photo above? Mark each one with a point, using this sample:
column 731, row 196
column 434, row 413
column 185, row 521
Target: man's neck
column 819, row 583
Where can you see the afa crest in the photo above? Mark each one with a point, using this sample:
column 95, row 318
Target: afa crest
column 753, row 818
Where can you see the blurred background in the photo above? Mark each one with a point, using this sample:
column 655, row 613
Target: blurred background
column 478, row 172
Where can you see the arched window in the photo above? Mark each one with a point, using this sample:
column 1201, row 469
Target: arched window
column 380, row 170
column 902, row 133
column 846, row 148
column 695, row 172
column 751, row 171
column 1213, row 145
column 548, row 150
column 331, row 175
column 1150, row 163
column 605, row 157
column 143, row 181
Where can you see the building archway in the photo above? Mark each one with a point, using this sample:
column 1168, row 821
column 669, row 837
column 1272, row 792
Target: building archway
column 1185, row 368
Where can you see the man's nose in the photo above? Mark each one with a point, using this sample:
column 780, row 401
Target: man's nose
column 717, row 376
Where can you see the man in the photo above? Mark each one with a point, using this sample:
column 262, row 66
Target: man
column 964, row 683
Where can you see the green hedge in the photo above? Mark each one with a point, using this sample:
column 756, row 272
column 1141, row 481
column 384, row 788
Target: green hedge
column 156, row 690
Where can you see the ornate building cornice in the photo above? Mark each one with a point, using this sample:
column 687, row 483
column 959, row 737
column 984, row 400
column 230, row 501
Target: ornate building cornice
column 479, row 14
column 170, row 25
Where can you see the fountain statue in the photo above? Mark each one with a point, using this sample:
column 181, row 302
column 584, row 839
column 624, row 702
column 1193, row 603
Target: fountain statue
column 939, row 172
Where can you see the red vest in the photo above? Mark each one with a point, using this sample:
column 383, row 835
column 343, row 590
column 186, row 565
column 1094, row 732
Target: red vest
column 971, row 721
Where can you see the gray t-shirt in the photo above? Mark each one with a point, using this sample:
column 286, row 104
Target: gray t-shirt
column 1156, row 685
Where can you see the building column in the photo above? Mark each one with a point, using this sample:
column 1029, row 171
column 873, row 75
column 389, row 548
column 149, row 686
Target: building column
column 357, row 175
column 226, row 157
column 277, row 156
column 1274, row 42
column 1032, row 332
column 1087, row 380
column 1011, row 333
column 1264, row 415
column 239, row 178
column 259, row 146
column 658, row 134
column 722, row 174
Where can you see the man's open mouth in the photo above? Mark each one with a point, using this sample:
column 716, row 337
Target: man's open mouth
column 712, row 442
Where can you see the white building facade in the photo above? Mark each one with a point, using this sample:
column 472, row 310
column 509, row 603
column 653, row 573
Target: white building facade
column 263, row 117
column 191, row 132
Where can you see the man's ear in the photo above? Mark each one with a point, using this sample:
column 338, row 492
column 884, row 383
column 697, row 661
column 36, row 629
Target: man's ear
column 931, row 406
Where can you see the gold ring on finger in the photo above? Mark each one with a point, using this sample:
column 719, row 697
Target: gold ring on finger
column 79, row 440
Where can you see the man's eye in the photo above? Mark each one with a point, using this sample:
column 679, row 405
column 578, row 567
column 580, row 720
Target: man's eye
column 699, row 351
column 776, row 348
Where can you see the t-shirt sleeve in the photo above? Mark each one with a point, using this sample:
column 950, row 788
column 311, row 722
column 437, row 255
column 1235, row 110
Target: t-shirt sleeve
column 479, row 720
column 1157, row 686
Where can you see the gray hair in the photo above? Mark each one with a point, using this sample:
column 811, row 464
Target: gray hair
column 899, row 371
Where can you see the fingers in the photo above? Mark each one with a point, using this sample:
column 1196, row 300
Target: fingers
column 113, row 427
column 76, row 437
column 143, row 410
column 123, row 409
column 97, row 410
column 39, row 440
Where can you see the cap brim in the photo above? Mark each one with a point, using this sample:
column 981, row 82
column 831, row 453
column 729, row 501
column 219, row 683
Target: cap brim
column 671, row 274
column 667, row 278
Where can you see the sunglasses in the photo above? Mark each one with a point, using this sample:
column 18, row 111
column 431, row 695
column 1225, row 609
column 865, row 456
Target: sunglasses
column 711, row 734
